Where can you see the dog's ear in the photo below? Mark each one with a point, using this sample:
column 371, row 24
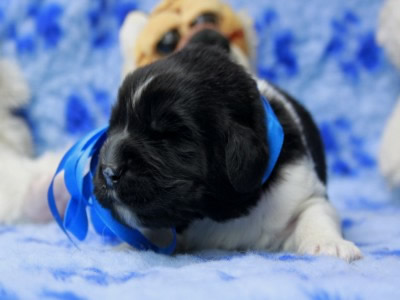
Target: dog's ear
column 128, row 34
column 246, row 158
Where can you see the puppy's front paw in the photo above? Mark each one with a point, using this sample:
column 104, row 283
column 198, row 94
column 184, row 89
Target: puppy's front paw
column 340, row 248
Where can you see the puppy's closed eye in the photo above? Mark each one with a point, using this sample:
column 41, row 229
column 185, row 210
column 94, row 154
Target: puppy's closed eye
column 166, row 122
column 170, row 126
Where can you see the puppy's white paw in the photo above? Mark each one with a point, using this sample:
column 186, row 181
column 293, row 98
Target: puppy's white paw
column 340, row 248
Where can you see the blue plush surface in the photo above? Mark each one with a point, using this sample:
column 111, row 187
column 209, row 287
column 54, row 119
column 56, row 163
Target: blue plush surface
column 323, row 52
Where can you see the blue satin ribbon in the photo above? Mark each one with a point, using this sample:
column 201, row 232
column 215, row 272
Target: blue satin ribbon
column 275, row 137
column 79, row 165
column 80, row 187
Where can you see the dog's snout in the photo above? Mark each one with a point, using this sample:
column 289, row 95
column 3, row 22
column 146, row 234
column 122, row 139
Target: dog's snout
column 112, row 174
column 111, row 163
column 211, row 37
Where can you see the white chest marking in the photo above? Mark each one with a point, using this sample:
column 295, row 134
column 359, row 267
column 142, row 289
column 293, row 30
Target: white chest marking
column 266, row 225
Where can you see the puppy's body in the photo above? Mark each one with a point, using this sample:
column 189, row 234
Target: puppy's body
column 293, row 213
column 187, row 149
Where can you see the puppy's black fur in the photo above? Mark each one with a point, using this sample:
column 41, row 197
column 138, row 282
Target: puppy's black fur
column 193, row 143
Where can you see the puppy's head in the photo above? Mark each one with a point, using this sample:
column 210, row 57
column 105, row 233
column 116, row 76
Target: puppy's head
column 186, row 141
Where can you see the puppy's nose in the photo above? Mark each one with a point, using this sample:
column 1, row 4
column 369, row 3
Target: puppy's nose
column 112, row 174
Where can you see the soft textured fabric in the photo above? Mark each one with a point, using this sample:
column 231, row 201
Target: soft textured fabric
column 323, row 52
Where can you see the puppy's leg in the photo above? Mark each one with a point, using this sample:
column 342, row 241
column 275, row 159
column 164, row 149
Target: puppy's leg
column 317, row 231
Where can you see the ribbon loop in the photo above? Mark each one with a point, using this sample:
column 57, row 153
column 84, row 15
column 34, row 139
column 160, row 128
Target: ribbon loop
column 80, row 186
column 275, row 137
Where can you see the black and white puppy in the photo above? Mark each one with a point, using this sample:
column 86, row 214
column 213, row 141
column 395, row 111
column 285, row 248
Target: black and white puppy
column 186, row 148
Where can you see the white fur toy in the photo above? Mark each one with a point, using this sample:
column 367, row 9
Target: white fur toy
column 24, row 179
column 389, row 38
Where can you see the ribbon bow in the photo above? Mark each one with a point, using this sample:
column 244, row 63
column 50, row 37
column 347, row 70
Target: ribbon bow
column 80, row 187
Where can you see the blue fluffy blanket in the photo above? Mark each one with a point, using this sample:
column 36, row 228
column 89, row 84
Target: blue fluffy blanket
column 323, row 52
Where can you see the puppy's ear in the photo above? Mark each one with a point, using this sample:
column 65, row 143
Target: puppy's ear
column 246, row 159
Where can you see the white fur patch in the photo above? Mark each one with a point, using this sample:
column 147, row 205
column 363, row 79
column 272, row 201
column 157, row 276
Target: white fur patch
column 271, row 93
column 139, row 91
column 316, row 230
column 126, row 215
column 128, row 34
column 23, row 188
column 389, row 155
column 14, row 92
column 389, row 24
column 264, row 227
column 24, row 179
column 292, row 215
column 240, row 58
column 161, row 237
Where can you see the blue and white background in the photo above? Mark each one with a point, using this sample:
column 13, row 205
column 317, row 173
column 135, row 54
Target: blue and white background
column 323, row 52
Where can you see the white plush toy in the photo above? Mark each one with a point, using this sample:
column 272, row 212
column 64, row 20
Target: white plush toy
column 24, row 180
column 389, row 38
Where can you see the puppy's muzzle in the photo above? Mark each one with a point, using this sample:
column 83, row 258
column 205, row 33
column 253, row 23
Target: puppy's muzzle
column 112, row 168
